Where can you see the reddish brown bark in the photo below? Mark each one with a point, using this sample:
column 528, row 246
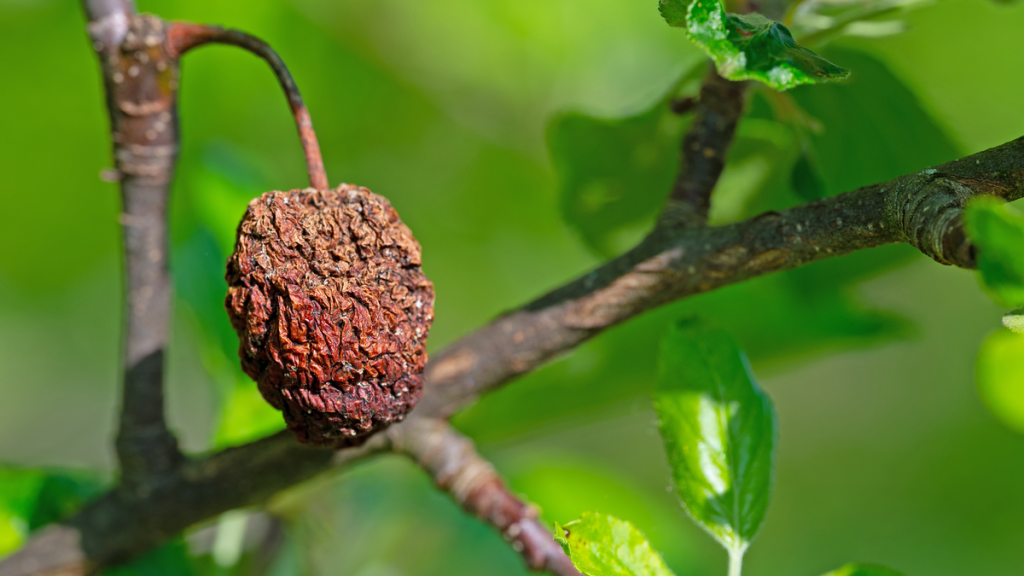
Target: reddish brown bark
column 455, row 466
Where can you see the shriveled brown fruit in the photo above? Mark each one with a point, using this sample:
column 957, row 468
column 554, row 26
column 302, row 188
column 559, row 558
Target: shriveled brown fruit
column 332, row 310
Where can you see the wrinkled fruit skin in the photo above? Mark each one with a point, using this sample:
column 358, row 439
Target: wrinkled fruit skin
column 332, row 309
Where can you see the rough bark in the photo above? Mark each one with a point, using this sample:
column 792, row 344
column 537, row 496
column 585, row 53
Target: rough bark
column 705, row 146
column 457, row 469
column 141, row 84
column 921, row 209
column 680, row 258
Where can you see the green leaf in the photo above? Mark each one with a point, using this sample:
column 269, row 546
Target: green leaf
column 863, row 570
column 719, row 432
column 63, row 493
column 603, row 545
column 674, row 11
column 1000, row 374
column 806, row 178
column 752, row 47
column 873, row 127
column 245, row 416
column 760, row 160
column 997, row 230
column 31, row 498
column 614, row 173
column 19, row 492
column 1015, row 321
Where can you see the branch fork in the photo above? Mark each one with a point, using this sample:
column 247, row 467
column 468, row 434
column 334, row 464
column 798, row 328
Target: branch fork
column 139, row 56
column 164, row 492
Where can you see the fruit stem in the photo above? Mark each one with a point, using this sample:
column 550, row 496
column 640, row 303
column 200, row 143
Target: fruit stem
column 183, row 36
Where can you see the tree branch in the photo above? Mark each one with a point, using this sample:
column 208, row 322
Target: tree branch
column 139, row 56
column 455, row 466
column 923, row 209
column 704, row 150
column 121, row 525
column 141, row 84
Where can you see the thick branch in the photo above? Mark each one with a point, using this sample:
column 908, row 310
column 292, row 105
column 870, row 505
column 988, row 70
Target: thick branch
column 141, row 83
column 455, row 466
column 704, row 149
column 121, row 525
column 922, row 209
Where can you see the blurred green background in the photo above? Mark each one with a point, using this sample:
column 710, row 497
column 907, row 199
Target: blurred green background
column 887, row 453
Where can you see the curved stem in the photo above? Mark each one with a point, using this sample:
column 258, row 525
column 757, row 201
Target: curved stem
column 183, row 36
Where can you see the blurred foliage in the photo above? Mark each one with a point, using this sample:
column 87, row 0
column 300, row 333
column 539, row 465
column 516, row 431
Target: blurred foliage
column 614, row 174
column 863, row 570
column 170, row 559
column 997, row 231
column 818, row 21
column 872, row 128
column 443, row 107
column 31, row 498
column 1001, row 377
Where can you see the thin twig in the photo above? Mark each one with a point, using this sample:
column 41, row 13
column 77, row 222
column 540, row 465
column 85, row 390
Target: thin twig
column 184, row 36
column 704, row 148
column 141, row 82
column 456, row 467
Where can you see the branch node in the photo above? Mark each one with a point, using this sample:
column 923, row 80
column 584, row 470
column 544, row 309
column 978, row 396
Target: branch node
column 927, row 208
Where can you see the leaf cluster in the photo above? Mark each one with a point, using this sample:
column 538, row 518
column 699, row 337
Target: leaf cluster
column 720, row 434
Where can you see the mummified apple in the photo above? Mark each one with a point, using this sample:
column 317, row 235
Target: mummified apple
column 332, row 309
